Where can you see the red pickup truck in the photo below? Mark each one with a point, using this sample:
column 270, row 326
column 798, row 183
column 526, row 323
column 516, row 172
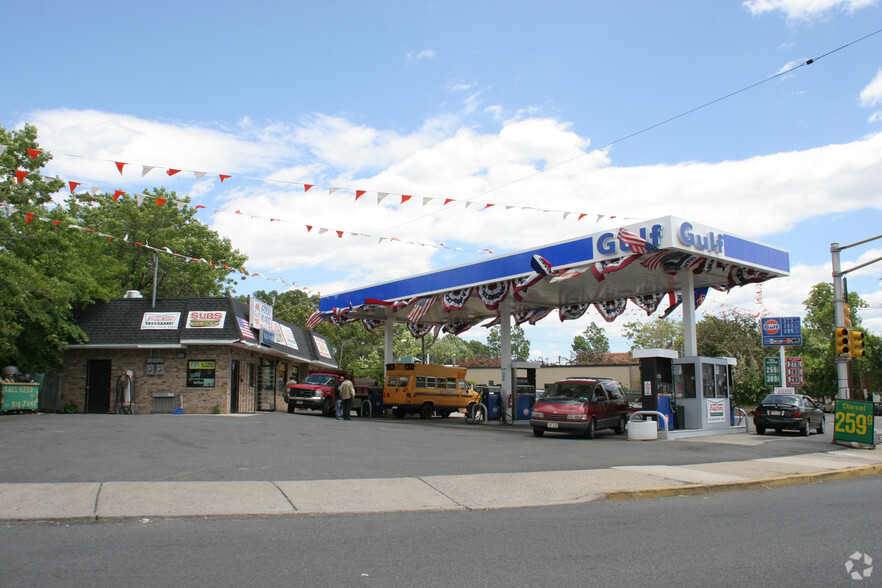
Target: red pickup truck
column 316, row 392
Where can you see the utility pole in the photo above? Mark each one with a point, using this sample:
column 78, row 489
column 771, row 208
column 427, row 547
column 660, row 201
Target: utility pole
column 839, row 301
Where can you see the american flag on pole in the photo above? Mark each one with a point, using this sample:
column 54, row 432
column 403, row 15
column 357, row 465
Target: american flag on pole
column 420, row 307
column 637, row 243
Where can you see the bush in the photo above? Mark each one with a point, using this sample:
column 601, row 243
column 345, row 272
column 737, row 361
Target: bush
column 68, row 408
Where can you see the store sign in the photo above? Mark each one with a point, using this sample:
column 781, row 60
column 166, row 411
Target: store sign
column 198, row 319
column 261, row 314
column 322, row 346
column 716, row 411
column 853, row 421
column 772, row 371
column 160, row 320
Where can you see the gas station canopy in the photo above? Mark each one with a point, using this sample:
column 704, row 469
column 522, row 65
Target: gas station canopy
column 642, row 263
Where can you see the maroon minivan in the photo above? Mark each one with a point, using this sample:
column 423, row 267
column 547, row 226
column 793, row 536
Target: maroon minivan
column 582, row 406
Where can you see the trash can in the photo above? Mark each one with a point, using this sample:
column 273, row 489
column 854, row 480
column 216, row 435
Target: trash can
column 377, row 404
column 18, row 396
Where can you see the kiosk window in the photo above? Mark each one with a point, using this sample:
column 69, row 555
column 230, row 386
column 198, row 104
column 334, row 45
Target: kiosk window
column 200, row 374
column 707, row 380
column 722, row 382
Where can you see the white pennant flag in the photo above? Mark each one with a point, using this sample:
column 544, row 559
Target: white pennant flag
column 96, row 189
column 381, row 240
column 599, row 216
column 322, row 231
column 380, row 196
column 467, row 204
column 146, row 170
column 198, row 175
column 332, row 190
column 140, row 198
column 426, row 200
column 566, row 214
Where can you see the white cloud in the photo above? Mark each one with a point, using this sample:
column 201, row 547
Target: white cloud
column 806, row 9
column 871, row 96
column 413, row 57
column 515, row 166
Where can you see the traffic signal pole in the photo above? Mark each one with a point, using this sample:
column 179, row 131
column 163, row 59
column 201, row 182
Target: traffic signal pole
column 842, row 361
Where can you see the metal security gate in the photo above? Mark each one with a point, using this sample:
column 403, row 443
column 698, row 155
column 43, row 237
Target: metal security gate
column 266, row 386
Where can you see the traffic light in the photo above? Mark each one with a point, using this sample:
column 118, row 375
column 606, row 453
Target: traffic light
column 856, row 344
column 842, row 341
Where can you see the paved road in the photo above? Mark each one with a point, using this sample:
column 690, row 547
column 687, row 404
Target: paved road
column 305, row 446
column 734, row 539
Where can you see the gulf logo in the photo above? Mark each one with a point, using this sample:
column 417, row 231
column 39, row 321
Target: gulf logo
column 771, row 327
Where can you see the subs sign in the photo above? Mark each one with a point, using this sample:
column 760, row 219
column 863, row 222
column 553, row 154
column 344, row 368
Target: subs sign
column 782, row 330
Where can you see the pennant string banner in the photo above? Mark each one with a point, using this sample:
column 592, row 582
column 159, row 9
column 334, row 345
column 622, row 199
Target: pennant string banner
column 145, row 169
column 29, row 216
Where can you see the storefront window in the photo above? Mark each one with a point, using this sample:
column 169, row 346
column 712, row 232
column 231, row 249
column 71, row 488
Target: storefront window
column 200, row 374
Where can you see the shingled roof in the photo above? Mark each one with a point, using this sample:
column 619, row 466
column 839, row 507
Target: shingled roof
column 175, row 323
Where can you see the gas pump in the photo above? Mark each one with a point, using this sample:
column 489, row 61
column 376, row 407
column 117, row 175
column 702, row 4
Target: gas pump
column 519, row 405
column 656, row 374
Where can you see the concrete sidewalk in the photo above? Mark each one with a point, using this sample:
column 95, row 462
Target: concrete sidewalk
column 115, row 500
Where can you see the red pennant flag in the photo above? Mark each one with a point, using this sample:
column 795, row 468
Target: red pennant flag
column 447, row 201
column 73, row 186
column 238, row 212
column 308, row 228
column 223, row 177
column 138, row 244
column 273, row 219
column 486, row 206
column 117, row 194
column 581, row 216
column 33, row 153
column 160, row 201
column 359, row 194
column 56, row 223
column 172, row 172
column 198, row 206
column 120, row 165
column 405, row 198
column 30, row 216
column 306, row 187
column 20, row 174
column 339, row 234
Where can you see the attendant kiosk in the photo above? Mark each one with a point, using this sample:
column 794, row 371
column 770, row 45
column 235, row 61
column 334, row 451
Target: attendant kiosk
column 702, row 388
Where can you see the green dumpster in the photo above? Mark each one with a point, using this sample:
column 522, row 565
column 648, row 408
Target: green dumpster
column 19, row 396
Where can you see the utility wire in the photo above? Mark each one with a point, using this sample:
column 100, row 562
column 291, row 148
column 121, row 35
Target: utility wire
column 619, row 140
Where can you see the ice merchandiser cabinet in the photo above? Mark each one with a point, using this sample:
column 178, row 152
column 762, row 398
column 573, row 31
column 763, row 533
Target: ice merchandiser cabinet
column 702, row 388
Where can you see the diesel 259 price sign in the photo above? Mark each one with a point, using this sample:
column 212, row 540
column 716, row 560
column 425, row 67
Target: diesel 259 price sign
column 853, row 421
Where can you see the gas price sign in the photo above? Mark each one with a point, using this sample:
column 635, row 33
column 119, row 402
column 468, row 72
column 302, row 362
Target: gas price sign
column 782, row 330
column 853, row 421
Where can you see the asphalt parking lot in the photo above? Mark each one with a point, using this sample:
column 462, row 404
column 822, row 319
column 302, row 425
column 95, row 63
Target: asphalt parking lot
column 49, row 448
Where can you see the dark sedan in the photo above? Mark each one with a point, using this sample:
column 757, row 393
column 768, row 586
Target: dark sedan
column 788, row 411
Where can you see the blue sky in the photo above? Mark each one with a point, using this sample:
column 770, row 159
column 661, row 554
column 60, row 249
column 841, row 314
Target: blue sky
column 516, row 103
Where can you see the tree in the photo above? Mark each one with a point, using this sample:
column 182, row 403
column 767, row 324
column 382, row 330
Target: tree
column 449, row 349
column 740, row 338
column 657, row 333
column 592, row 346
column 44, row 275
column 203, row 267
column 520, row 345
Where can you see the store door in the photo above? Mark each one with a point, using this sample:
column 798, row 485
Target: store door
column 234, row 386
column 98, row 386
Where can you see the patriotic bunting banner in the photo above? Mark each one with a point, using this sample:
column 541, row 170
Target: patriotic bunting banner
column 571, row 312
column 420, row 307
column 418, row 331
column 601, row 268
column 455, row 299
column 492, row 294
column 610, row 309
column 648, row 302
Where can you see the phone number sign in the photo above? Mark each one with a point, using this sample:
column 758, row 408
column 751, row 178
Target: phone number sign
column 853, row 421
column 782, row 330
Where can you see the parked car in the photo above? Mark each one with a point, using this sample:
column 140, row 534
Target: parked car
column 581, row 406
column 877, row 408
column 788, row 411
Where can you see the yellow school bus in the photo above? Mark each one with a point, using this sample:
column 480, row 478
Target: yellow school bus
column 414, row 388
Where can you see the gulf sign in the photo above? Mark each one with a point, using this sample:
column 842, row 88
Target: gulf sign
column 771, row 327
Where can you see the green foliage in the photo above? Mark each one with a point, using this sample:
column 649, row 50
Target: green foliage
column 48, row 270
column 592, row 346
column 520, row 345
column 740, row 338
column 206, row 271
column 657, row 333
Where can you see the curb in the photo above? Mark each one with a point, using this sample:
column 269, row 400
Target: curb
column 758, row 484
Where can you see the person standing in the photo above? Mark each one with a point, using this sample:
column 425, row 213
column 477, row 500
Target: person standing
column 338, row 401
column 347, row 393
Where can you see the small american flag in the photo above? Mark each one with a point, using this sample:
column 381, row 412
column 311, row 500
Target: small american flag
column 314, row 319
column 420, row 307
column 637, row 243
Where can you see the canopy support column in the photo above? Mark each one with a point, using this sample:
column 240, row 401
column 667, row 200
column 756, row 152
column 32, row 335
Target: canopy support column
column 505, row 352
column 690, row 340
column 388, row 341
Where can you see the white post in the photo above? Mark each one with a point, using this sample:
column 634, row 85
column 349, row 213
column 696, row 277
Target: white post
column 505, row 354
column 839, row 320
column 690, row 341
